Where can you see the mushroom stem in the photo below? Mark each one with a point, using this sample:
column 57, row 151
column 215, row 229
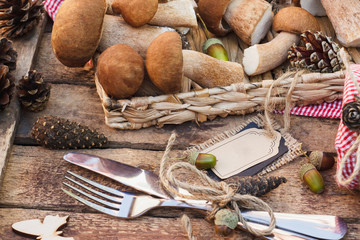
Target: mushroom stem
column 175, row 13
column 261, row 58
column 210, row 72
column 116, row 31
column 250, row 20
column 314, row 7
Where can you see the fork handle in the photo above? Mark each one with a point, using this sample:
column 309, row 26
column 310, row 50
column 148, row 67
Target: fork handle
column 183, row 204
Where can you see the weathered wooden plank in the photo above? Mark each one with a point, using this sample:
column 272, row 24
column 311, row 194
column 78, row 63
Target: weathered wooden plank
column 82, row 104
column 26, row 48
column 99, row 226
column 38, row 174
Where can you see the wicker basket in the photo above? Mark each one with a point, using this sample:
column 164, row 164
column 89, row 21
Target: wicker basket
column 206, row 104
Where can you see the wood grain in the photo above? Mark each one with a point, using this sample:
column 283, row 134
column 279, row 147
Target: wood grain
column 26, row 48
column 46, row 168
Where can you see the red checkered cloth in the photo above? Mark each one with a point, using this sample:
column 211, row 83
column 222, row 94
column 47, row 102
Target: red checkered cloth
column 346, row 138
column 52, row 7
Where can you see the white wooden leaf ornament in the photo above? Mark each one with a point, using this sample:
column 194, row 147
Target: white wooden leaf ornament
column 46, row 230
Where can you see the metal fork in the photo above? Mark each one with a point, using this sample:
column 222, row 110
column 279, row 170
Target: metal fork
column 130, row 205
column 122, row 204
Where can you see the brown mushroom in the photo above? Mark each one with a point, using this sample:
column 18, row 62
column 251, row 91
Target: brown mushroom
column 135, row 12
column 250, row 20
column 81, row 26
column 166, row 63
column 290, row 22
column 120, row 71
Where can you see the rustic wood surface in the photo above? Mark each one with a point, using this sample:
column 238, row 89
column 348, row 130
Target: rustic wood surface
column 33, row 176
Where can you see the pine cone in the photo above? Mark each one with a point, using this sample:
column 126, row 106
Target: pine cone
column 8, row 55
column 255, row 185
column 351, row 114
column 59, row 133
column 18, row 17
column 33, row 92
column 7, row 85
column 316, row 52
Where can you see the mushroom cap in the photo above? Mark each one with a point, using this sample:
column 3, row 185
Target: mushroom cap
column 164, row 62
column 212, row 12
column 295, row 20
column 135, row 12
column 120, row 71
column 70, row 39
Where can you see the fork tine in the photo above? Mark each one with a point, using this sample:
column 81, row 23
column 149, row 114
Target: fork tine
column 91, row 204
column 98, row 185
column 106, row 203
column 111, row 198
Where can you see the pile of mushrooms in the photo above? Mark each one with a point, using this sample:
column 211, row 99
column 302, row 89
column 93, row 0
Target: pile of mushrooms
column 290, row 22
column 132, row 48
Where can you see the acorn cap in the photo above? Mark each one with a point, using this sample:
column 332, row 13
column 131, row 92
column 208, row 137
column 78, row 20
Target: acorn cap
column 212, row 12
column 304, row 168
column 120, row 71
column 192, row 157
column 164, row 62
column 136, row 12
column 71, row 42
column 227, row 218
column 295, row 20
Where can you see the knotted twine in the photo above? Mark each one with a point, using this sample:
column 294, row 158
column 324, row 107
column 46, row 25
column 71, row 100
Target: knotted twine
column 218, row 193
column 268, row 107
column 356, row 145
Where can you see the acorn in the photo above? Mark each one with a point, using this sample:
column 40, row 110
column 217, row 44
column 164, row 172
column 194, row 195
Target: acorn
column 202, row 160
column 311, row 176
column 213, row 46
column 225, row 221
column 321, row 160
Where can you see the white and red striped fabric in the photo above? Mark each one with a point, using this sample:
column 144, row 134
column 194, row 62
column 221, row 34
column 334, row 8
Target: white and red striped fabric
column 52, row 7
column 346, row 138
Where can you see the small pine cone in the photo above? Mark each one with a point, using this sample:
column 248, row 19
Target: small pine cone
column 7, row 86
column 8, row 55
column 18, row 17
column 255, row 185
column 33, row 92
column 316, row 52
column 351, row 114
column 59, row 133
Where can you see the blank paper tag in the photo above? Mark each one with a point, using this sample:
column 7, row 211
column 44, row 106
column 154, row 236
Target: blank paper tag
column 242, row 151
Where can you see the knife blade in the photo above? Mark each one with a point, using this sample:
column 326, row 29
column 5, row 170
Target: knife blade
column 319, row 226
column 134, row 177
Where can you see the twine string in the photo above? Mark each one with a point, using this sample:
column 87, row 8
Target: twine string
column 218, row 193
column 269, row 107
column 341, row 180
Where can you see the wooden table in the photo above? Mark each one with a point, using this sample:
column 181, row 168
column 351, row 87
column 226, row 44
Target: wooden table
column 32, row 175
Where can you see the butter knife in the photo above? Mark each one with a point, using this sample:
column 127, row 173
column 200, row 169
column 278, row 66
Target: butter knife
column 318, row 226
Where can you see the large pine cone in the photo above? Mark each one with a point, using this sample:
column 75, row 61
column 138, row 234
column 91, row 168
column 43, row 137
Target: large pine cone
column 18, row 17
column 316, row 52
column 33, row 92
column 8, row 55
column 7, row 85
column 59, row 133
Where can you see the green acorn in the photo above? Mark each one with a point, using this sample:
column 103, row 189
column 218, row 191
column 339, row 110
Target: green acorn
column 311, row 176
column 213, row 46
column 225, row 221
column 202, row 160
